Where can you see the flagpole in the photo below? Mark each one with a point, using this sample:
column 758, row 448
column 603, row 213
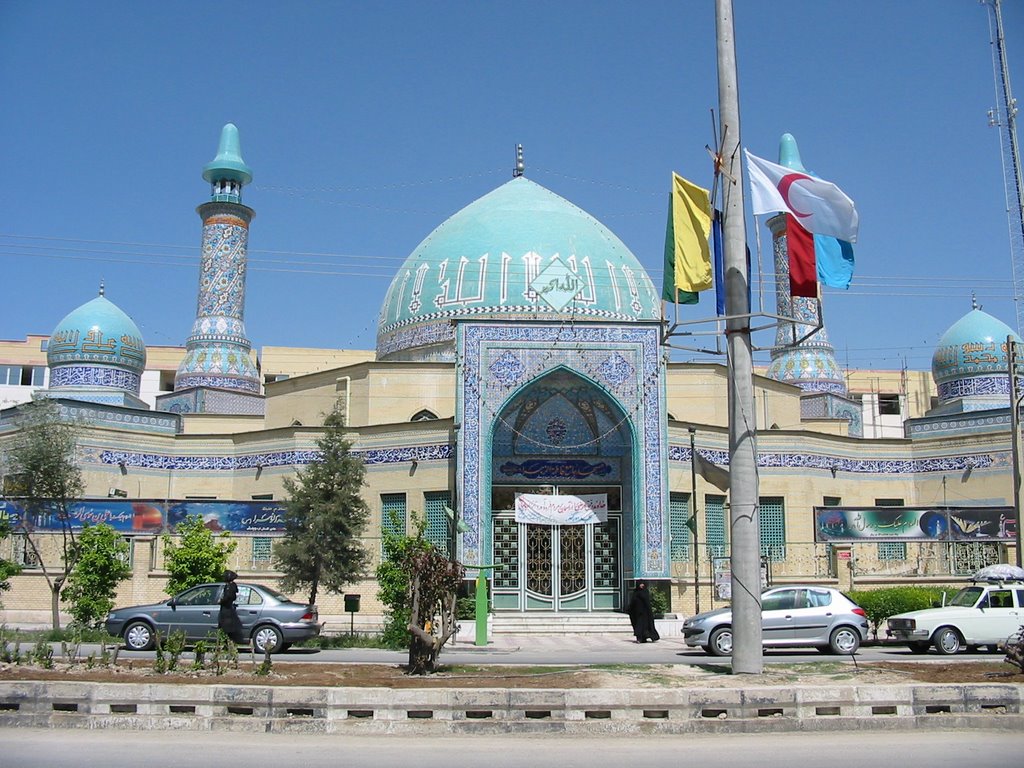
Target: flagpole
column 693, row 518
column 744, row 524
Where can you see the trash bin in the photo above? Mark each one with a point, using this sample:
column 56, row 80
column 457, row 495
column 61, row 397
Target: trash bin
column 352, row 603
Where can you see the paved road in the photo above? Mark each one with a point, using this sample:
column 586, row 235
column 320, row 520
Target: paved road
column 581, row 649
column 35, row 748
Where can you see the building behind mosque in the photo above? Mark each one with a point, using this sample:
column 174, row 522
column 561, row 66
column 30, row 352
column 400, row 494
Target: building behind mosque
column 519, row 398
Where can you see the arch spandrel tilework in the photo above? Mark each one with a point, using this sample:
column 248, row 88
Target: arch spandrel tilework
column 495, row 361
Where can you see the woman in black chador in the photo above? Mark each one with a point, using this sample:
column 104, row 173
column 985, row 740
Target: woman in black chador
column 227, row 618
column 641, row 615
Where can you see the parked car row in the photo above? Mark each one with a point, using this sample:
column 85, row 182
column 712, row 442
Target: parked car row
column 984, row 614
column 269, row 620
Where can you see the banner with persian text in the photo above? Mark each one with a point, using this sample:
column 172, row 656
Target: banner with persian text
column 539, row 509
column 150, row 516
column 915, row 523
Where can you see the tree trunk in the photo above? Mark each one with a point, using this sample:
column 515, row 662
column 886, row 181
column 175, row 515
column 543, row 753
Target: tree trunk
column 55, row 602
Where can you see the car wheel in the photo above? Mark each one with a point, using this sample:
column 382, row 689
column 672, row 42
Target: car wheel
column 947, row 641
column 284, row 647
column 267, row 639
column 139, row 636
column 720, row 642
column 844, row 641
column 918, row 647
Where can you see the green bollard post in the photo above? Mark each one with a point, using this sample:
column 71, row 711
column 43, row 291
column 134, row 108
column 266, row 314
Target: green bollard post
column 481, row 604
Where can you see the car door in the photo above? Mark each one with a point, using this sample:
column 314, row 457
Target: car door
column 812, row 617
column 195, row 611
column 777, row 616
column 996, row 618
column 249, row 607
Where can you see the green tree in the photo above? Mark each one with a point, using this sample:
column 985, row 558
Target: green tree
column 394, row 575
column 42, row 461
column 198, row 557
column 101, row 563
column 419, row 585
column 7, row 568
column 325, row 515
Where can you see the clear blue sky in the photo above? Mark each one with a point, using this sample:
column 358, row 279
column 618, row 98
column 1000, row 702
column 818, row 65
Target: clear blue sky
column 368, row 124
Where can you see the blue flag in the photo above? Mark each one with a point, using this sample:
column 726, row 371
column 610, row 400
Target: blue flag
column 716, row 243
column 834, row 259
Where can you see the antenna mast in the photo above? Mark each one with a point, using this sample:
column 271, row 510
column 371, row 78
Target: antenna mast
column 1004, row 117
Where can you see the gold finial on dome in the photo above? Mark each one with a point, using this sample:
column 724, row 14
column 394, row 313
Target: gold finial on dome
column 974, row 301
column 102, row 289
column 520, row 165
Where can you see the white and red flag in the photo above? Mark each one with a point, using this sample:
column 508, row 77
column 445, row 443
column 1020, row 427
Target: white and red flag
column 818, row 205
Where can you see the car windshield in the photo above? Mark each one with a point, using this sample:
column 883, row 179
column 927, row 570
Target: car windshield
column 966, row 597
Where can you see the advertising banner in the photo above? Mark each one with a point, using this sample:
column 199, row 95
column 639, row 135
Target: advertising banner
column 150, row 516
column 914, row 523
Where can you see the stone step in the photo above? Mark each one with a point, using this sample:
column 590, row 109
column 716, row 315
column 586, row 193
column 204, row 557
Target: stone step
column 561, row 624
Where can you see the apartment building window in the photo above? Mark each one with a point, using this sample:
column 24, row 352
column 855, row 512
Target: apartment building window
column 436, row 533
column 392, row 515
column 891, row 550
column 263, row 497
column 714, row 523
column 831, row 501
column 679, row 528
column 261, row 548
column 773, row 527
column 888, row 405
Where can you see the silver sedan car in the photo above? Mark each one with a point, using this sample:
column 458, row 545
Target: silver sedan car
column 793, row 616
column 269, row 620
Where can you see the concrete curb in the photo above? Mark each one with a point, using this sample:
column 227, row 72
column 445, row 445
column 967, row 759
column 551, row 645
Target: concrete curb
column 438, row 711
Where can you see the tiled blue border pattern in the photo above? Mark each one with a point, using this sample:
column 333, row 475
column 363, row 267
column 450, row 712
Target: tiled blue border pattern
column 371, row 457
column 856, row 466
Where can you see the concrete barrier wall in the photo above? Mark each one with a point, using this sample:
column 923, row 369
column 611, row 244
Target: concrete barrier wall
column 156, row 706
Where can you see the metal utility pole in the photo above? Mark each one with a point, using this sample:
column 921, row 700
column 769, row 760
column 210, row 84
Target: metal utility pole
column 744, row 526
column 1015, row 399
column 1004, row 117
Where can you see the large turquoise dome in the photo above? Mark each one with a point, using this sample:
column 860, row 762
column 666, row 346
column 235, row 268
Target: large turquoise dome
column 520, row 252
column 96, row 346
column 970, row 359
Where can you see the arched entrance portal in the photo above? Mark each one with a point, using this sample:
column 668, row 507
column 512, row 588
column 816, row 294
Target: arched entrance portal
column 558, row 436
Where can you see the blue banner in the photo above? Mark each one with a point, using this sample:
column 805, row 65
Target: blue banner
column 150, row 516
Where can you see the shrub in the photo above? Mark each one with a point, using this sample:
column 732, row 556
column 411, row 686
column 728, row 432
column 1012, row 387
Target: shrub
column 880, row 604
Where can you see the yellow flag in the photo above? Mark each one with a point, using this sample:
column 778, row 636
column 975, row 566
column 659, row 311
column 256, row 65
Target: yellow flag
column 687, row 255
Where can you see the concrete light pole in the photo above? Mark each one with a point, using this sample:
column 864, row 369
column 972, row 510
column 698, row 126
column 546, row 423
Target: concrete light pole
column 747, row 657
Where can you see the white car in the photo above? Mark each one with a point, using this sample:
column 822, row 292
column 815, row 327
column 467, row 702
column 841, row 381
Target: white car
column 980, row 614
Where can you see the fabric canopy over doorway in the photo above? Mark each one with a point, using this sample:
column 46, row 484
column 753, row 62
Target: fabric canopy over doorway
column 541, row 509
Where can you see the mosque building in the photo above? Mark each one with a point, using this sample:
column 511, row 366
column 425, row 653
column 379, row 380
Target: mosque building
column 521, row 398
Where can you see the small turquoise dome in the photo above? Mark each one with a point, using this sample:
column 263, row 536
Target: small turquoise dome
column 970, row 358
column 96, row 345
column 228, row 164
column 519, row 252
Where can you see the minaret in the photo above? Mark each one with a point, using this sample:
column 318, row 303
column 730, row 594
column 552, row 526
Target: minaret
column 217, row 374
column 810, row 364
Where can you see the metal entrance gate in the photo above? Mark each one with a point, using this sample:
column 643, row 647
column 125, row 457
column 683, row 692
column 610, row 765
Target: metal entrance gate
column 557, row 568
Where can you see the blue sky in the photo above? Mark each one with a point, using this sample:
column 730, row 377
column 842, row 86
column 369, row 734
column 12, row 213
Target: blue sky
column 368, row 124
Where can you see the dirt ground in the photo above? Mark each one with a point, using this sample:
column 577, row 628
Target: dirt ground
column 492, row 676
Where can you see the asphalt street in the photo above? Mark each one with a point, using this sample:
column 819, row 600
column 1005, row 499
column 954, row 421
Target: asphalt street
column 41, row 748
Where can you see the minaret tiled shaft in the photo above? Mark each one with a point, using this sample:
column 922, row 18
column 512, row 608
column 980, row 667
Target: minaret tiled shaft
column 810, row 364
column 218, row 353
